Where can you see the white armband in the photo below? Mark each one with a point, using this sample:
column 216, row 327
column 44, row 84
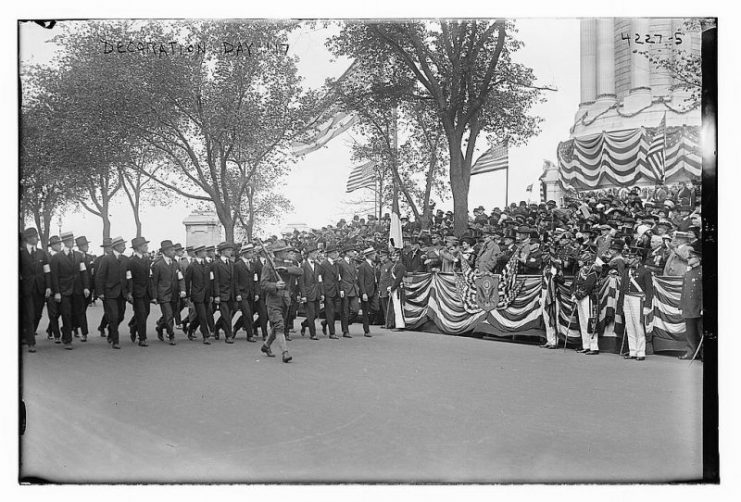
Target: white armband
column 82, row 266
column 128, row 274
column 320, row 278
column 47, row 269
column 256, row 279
column 211, row 275
column 150, row 272
column 180, row 275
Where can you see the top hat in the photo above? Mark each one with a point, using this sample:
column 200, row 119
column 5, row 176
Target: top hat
column 166, row 244
column 81, row 241
column 138, row 241
column 106, row 242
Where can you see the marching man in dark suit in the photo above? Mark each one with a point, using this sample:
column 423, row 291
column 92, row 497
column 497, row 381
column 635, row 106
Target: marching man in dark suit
column 368, row 288
column 79, row 319
column 198, row 290
column 348, row 290
column 167, row 283
column 224, row 287
column 111, row 287
column 52, row 307
column 690, row 303
column 35, row 285
column 310, row 285
column 96, row 266
column 245, row 284
column 69, row 285
column 330, row 273
column 139, row 278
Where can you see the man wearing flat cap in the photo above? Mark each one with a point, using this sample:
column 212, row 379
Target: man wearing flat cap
column 310, row 286
column 35, row 277
column 168, row 284
column 139, row 276
column 111, row 287
column 690, row 300
column 70, row 286
column 273, row 282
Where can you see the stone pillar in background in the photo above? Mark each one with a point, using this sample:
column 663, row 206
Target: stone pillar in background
column 202, row 228
column 588, row 61
column 552, row 181
column 640, row 69
column 606, row 60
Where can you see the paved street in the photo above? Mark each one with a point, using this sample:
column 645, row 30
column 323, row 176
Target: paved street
column 398, row 407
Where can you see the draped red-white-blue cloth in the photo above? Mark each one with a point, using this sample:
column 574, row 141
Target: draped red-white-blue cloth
column 436, row 297
column 619, row 158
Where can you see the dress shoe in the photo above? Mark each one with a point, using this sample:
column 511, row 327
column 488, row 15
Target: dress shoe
column 67, row 346
column 334, row 337
column 32, row 348
column 685, row 357
column 324, row 328
column 206, row 341
column 287, row 357
column 640, row 358
column 552, row 347
column 582, row 351
column 116, row 346
column 57, row 340
column 132, row 335
column 50, row 337
column 143, row 343
column 346, row 335
column 160, row 335
column 172, row 340
column 229, row 340
column 628, row 356
column 77, row 334
column 266, row 350
column 303, row 330
column 83, row 338
column 288, row 338
column 592, row 352
column 367, row 335
column 216, row 335
column 251, row 339
column 102, row 332
column 314, row 337
column 109, row 339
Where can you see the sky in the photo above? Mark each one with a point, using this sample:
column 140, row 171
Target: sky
column 316, row 183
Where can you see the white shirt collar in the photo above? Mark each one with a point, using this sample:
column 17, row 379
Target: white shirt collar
column 30, row 248
column 116, row 253
column 224, row 259
column 330, row 260
column 137, row 253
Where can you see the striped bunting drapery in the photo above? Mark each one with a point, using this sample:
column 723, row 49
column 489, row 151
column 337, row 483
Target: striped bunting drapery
column 436, row 297
column 362, row 176
column 323, row 133
column 495, row 158
column 620, row 158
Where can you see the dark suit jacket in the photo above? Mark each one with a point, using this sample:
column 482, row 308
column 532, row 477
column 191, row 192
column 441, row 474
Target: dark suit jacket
column 413, row 261
column 167, row 280
column 110, row 276
column 582, row 287
column 245, row 279
column 224, row 280
column 330, row 279
column 34, row 279
column 385, row 280
column 140, row 282
column 348, row 278
column 398, row 271
column 308, row 282
column 198, row 281
column 367, row 281
column 68, row 274
column 690, row 303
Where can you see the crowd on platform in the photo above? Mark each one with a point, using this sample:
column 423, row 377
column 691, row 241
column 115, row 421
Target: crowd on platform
column 349, row 269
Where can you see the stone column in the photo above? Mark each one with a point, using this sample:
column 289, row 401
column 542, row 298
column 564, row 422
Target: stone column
column 662, row 79
column 606, row 60
column 640, row 70
column 588, row 66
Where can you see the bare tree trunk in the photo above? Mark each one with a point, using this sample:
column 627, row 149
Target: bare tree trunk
column 459, row 184
column 106, row 219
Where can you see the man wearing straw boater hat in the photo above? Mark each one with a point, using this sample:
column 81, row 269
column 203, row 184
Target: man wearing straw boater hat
column 111, row 287
column 310, row 285
column 69, row 285
column 139, row 275
column 168, row 285
column 198, row 290
column 224, row 289
column 245, row 290
column 368, row 288
column 35, row 285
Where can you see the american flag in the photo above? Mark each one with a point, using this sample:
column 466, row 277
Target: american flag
column 362, row 176
column 495, row 159
column 656, row 151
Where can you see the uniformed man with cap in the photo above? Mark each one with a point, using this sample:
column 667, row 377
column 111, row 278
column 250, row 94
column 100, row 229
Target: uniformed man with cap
column 35, row 277
column 384, row 282
column 111, row 287
column 395, row 316
column 198, row 290
column 690, row 300
column 245, row 290
column 634, row 302
column 70, row 286
column 225, row 288
column 368, row 288
column 141, row 295
column 273, row 283
column 582, row 289
column 311, row 287
column 168, row 284
column 52, row 306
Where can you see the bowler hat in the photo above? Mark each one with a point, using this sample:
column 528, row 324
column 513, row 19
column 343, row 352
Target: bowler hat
column 138, row 241
column 198, row 249
column 225, row 245
column 166, row 244
column 178, row 246
column 30, row 232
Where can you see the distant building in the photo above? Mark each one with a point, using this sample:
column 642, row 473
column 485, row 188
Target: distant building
column 290, row 227
column 624, row 98
column 202, row 228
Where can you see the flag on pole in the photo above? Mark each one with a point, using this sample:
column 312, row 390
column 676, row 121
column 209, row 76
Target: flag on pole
column 324, row 133
column 655, row 157
column 494, row 159
column 362, row 176
column 395, row 234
